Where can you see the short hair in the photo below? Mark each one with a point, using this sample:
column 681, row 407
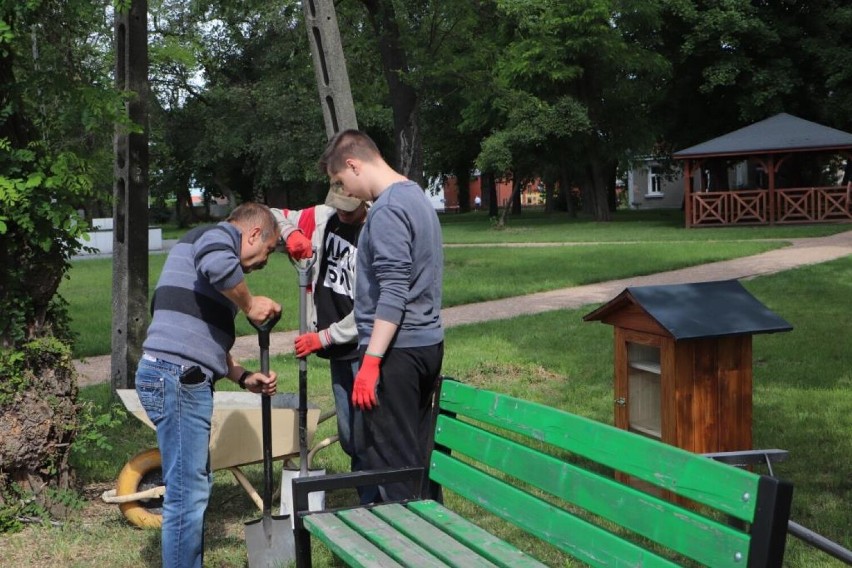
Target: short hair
column 255, row 215
column 347, row 144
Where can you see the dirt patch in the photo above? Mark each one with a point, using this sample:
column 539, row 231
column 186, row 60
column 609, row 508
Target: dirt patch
column 490, row 374
column 96, row 509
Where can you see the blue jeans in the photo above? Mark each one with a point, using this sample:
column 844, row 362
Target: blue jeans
column 350, row 421
column 182, row 414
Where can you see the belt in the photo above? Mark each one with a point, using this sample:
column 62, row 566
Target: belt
column 153, row 359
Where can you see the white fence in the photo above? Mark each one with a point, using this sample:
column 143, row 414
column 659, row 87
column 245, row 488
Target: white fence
column 101, row 237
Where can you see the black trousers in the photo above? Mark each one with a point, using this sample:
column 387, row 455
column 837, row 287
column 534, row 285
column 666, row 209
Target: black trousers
column 397, row 433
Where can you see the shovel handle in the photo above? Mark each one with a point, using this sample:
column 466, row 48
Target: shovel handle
column 266, row 428
column 303, row 267
column 263, row 330
column 304, row 270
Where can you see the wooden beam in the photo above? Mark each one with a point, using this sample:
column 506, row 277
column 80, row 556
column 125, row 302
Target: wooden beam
column 771, row 171
column 687, row 193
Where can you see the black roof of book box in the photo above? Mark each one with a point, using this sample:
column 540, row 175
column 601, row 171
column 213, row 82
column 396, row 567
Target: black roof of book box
column 700, row 309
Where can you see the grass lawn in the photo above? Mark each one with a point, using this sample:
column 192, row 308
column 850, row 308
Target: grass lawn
column 627, row 226
column 472, row 274
column 636, row 243
column 802, row 379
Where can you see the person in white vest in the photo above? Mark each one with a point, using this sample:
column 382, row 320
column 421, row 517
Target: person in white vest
column 333, row 230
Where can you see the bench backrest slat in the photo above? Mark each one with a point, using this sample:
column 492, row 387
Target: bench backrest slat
column 664, row 466
column 681, row 530
column 569, row 533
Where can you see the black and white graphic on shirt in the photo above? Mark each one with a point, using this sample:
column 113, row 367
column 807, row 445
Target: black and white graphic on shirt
column 341, row 257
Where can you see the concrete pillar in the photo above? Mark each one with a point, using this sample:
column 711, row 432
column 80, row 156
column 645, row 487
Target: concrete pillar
column 130, row 192
column 338, row 109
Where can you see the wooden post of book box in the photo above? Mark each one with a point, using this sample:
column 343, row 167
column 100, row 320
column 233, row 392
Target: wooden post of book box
column 683, row 362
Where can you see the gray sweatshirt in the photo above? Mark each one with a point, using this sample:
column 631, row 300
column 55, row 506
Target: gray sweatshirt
column 400, row 268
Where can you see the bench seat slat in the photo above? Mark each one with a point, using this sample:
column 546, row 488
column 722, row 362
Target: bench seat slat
column 581, row 539
column 709, row 542
column 662, row 465
column 346, row 543
column 394, row 543
column 483, row 542
column 430, row 537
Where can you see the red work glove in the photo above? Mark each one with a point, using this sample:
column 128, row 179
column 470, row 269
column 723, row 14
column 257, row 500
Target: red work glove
column 309, row 343
column 364, row 394
column 299, row 246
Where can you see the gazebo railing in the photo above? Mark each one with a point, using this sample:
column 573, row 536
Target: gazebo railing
column 751, row 207
column 812, row 205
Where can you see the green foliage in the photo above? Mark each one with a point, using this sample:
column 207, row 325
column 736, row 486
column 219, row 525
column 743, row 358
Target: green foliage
column 531, row 124
column 57, row 115
column 37, row 222
column 12, row 373
column 121, row 5
column 21, row 507
column 18, row 505
column 254, row 128
column 95, row 427
column 16, row 364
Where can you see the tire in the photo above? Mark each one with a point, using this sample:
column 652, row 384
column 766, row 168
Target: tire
column 143, row 471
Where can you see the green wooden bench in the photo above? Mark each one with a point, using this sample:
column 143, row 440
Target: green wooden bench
column 551, row 473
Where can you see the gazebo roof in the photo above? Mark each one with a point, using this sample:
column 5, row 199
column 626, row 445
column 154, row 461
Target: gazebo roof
column 780, row 133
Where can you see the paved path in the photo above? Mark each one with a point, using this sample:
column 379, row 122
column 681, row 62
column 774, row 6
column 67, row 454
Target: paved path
column 802, row 252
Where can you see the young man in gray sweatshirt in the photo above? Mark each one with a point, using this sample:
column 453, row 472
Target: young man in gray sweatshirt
column 397, row 306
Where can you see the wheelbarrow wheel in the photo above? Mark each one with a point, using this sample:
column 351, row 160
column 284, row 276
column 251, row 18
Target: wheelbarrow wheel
column 143, row 471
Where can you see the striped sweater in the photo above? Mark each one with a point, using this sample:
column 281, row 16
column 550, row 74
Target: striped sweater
column 192, row 321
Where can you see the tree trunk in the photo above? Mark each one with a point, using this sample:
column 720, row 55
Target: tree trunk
column 595, row 191
column 489, row 194
column 37, row 425
column 566, row 192
column 403, row 98
column 549, row 184
column 463, row 179
column 516, row 190
column 516, row 196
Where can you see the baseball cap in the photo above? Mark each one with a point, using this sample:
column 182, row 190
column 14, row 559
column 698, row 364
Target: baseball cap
column 338, row 200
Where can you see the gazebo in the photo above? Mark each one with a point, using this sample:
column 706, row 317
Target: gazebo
column 761, row 200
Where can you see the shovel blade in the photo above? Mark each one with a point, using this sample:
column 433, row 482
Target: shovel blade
column 270, row 542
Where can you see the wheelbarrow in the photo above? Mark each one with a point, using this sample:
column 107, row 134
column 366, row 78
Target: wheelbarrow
column 235, row 441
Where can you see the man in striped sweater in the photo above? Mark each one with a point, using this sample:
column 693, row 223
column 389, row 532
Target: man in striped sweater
column 200, row 291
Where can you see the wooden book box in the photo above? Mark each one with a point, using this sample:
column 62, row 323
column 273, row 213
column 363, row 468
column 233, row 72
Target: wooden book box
column 683, row 362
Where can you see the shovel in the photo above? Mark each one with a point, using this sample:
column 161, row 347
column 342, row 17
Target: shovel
column 269, row 540
column 304, row 271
